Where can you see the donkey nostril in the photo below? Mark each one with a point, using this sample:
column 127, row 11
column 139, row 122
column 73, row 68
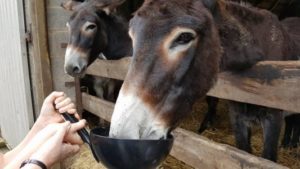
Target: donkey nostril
column 76, row 69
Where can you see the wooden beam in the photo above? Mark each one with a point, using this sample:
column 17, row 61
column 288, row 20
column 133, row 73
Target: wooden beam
column 200, row 152
column 191, row 148
column 116, row 69
column 97, row 106
column 41, row 76
column 272, row 84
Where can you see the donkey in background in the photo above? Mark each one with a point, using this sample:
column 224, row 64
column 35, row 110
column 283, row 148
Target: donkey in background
column 292, row 121
column 291, row 136
column 95, row 32
column 113, row 27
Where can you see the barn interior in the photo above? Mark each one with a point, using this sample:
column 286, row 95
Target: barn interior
column 54, row 41
column 221, row 131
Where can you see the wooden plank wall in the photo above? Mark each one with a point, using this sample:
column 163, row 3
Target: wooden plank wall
column 57, row 38
column 41, row 75
column 16, row 115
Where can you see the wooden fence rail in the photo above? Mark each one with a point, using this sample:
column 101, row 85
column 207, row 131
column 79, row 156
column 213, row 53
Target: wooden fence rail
column 271, row 84
column 274, row 84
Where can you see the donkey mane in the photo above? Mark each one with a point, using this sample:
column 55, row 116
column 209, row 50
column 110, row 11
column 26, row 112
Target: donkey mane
column 174, row 8
column 158, row 8
column 245, row 11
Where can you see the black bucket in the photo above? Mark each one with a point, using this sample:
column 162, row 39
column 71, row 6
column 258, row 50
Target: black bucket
column 124, row 153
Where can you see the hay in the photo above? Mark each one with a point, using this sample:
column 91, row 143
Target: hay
column 221, row 133
column 83, row 160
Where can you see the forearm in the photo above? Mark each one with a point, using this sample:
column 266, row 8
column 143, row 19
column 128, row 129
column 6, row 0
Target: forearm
column 14, row 158
column 9, row 156
column 1, row 160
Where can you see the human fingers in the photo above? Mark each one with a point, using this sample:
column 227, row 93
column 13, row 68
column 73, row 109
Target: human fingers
column 66, row 101
column 50, row 151
column 51, row 97
column 63, row 102
column 68, row 150
column 72, row 135
column 55, row 129
column 67, row 107
column 74, row 112
column 41, row 138
column 60, row 99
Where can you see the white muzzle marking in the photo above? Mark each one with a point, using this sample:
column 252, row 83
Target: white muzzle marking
column 74, row 58
column 132, row 119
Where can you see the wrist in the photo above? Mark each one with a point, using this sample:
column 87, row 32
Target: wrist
column 42, row 159
column 40, row 123
column 32, row 164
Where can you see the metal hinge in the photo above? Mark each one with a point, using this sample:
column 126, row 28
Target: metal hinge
column 28, row 35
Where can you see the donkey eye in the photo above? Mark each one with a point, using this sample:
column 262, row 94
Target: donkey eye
column 91, row 27
column 184, row 38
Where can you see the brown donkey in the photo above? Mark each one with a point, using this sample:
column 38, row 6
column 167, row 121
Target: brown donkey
column 94, row 30
column 178, row 49
column 84, row 12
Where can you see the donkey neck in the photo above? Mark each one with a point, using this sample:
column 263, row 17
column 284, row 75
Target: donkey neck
column 118, row 41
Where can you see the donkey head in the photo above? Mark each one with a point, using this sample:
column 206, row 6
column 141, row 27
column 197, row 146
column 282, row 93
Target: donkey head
column 176, row 51
column 90, row 34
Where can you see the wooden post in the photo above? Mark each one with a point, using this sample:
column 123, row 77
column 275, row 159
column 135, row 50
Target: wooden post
column 41, row 76
column 78, row 96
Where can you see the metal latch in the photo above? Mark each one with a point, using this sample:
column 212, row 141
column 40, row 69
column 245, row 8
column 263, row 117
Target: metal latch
column 28, row 35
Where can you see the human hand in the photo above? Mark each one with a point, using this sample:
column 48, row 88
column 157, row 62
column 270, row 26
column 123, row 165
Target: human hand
column 54, row 149
column 44, row 136
column 54, row 104
column 49, row 115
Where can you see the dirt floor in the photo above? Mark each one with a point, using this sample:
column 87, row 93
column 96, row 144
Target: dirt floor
column 221, row 132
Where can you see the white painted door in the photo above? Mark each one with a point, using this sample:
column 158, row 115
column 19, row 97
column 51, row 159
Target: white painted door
column 16, row 114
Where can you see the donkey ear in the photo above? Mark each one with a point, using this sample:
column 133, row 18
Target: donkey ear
column 71, row 5
column 210, row 4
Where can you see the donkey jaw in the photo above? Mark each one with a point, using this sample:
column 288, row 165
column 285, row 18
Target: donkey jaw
column 133, row 119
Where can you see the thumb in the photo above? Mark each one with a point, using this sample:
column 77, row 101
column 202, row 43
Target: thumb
column 72, row 135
